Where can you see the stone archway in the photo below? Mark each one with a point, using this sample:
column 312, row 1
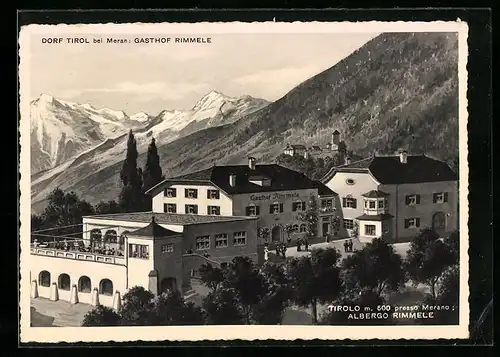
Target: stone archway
column 276, row 234
column 168, row 285
column 439, row 221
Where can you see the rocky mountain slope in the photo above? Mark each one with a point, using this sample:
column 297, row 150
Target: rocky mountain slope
column 400, row 90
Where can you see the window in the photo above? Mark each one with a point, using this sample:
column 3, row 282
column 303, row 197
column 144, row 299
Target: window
column 106, row 287
column 440, row 197
column 412, row 223
column 240, row 238
column 213, row 194
column 84, row 284
column 348, row 223
column 381, row 204
column 221, row 240
column 439, row 221
column 192, row 209
column 370, row 230
column 170, row 208
column 110, row 236
column 213, row 210
column 170, row 192
column 302, row 228
column 326, row 203
column 372, row 204
column 295, row 228
column 276, row 207
column 64, row 282
column 412, row 200
column 253, row 210
column 349, row 202
column 139, row 251
column 191, row 193
column 195, row 273
column 202, row 242
column 298, row 206
column 167, row 248
column 44, row 278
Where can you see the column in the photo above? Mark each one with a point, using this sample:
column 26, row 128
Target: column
column 95, row 297
column 54, row 292
column 74, row 295
column 153, row 282
column 117, row 301
column 34, row 289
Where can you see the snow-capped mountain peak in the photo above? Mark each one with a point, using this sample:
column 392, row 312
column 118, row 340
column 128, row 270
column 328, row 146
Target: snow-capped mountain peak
column 140, row 117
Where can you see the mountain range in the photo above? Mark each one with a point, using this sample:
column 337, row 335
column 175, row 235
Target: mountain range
column 399, row 90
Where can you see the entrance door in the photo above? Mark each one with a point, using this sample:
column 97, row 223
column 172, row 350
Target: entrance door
column 168, row 284
column 276, row 234
column 326, row 228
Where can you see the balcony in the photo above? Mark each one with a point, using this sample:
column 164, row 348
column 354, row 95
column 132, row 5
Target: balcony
column 326, row 210
column 115, row 259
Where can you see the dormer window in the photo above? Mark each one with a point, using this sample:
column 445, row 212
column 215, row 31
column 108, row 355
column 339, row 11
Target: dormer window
column 260, row 180
column 381, row 203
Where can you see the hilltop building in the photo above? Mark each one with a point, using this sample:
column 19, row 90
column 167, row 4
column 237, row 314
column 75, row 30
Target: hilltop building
column 395, row 196
column 274, row 194
column 333, row 147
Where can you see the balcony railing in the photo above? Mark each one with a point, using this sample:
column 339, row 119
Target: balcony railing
column 77, row 255
column 324, row 210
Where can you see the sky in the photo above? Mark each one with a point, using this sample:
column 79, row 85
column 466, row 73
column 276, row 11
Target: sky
column 153, row 77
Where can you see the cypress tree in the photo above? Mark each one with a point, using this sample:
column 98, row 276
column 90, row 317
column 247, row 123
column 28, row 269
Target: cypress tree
column 131, row 198
column 152, row 173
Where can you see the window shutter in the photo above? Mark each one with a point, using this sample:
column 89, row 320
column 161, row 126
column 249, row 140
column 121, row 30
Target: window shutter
column 248, row 211
column 418, row 199
column 208, row 194
column 271, row 210
column 281, row 207
column 434, row 196
column 174, row 192
column 195, row 209
column 417, row 222
column 344, row 202
column 195, row 193
column 407, row 201
column 257, row 210
column 294, row 206
column 406, row 223
column 354, row 203
column 186, row 209
column 174, row 206
column 186, row 192
column 217, row 194
column 208, row 210
column 445, row 197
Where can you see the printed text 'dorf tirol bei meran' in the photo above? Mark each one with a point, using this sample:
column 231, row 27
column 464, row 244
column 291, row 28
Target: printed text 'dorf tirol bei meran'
column 112, row 40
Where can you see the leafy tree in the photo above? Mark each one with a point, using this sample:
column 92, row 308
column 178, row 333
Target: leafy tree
column 152, row 173
column 264, row 233
column 243, row 294
column 453, row 243
column 131, row 197
column 101, row 316
column 64, row 210
column 171, row 309
column 107, row 207
column 428, row 258
column 376, row 268
column 137, row 307
column 222, row 308
column 310, row 217
column 315, row 278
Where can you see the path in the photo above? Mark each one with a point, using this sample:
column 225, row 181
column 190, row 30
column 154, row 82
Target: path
column 57, row 313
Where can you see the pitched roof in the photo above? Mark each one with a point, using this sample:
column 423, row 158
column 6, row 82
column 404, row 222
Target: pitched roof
column 282, row 179
column 374, row 194
column 167, row 218
column 153, row 230
column 336, row 132
column 389, row 170
column 378, row 217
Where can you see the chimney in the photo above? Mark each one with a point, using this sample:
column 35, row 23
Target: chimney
column 251, row 163
column 403, row 156
column 232, row 180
